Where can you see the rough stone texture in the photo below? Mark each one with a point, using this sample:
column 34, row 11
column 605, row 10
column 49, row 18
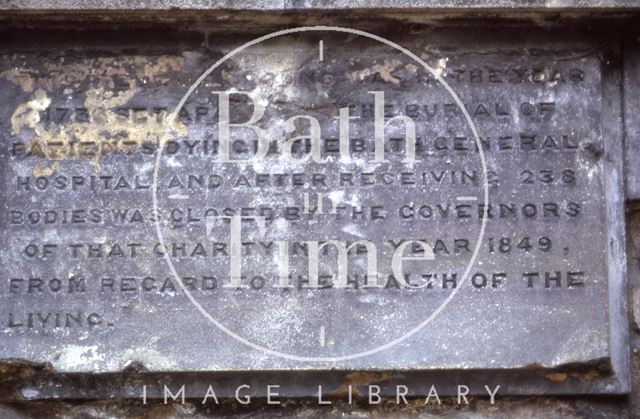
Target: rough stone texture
column 631, row 118
column 558, row 168
column 276, row 5
column 545, row 242
column 634, row 266
column 507, row 407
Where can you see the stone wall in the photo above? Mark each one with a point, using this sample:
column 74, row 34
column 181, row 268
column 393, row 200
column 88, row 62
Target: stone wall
column 108, row 23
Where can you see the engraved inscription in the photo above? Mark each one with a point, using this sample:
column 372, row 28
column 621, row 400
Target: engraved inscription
column 359, row 220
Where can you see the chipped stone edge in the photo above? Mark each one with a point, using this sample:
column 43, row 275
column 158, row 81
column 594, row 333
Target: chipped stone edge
column 614, row 187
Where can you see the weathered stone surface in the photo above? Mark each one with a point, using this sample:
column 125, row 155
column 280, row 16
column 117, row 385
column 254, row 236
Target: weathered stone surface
column 633, row 228
column 86, row 288
column 313, row 4
column 631, row 119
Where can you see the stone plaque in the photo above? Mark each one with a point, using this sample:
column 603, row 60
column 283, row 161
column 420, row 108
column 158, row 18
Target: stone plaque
column 315, row 200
